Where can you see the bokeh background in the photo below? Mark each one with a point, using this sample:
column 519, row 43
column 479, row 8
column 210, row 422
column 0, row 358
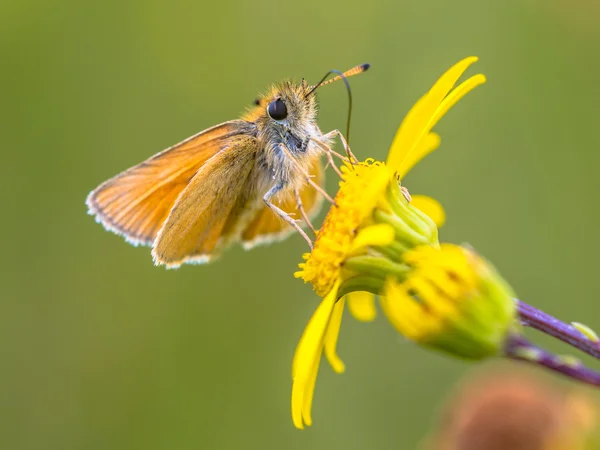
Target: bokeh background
column 100, row 349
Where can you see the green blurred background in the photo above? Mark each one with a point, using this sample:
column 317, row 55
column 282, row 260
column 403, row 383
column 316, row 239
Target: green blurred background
column 102, row 350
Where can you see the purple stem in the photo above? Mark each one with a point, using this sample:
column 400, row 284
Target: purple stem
column 545, row 323
column 521, row 349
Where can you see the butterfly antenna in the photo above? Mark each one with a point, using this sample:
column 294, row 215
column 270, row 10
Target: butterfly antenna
column 344, row 77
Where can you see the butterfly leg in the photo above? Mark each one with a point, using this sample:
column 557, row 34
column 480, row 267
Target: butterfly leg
column 307, row 177
column 328, row 151
column 281, row 213
column 337, row 133
column 303, row 211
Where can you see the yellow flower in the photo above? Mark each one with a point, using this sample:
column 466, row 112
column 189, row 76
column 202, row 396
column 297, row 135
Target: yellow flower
column 363, row 192
column 453, row 301
column 364, row 237
column 347, row 249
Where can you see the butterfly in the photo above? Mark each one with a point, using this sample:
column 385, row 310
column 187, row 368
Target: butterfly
column 239, row 181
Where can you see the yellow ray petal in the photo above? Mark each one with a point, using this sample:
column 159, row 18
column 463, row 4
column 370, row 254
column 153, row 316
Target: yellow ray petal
column 408, row 133
column 307, row 357
column 302, row 395
column 314, row 334
column 404, row 313
column 432, row 298
column 331, row 338
column 431, row 207
column 380, row 234
column 429, row 143
column 362, row 306
column 417, row 122
column 454, row 97
column 309, row 395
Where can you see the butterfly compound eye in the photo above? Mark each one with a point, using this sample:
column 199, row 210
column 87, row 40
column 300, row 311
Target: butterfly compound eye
column 277, row 110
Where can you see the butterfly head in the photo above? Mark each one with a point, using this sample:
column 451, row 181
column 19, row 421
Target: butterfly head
column 291, row 106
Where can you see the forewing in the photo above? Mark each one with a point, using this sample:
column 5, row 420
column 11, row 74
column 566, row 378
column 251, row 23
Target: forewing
column 137, row 202
column 194, row 227
column 267, row 227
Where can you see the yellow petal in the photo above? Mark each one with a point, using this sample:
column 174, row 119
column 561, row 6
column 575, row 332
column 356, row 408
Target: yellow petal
column 425, row 146
column 309, row 394
column 444, row 280
column 404, row 313
column 379, row 234
column 407, row 315
column 432, row 298
column 314, row 334
column 302, row 397
column 362, row 306
column 331, row 338
column 407, row 135
column 302, row 390
column 431, row 207
column 306, row 359
column 418, row 122
column 453, row 97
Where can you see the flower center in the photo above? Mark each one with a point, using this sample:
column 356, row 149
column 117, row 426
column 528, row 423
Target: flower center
column 361, row 188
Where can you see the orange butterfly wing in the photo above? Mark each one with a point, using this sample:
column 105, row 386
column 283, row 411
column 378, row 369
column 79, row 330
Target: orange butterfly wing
column 137, row 202
column 267, row 227
column 219, row 196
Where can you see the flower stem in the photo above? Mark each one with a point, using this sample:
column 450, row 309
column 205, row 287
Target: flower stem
column 570, row 334
column 521, row 349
